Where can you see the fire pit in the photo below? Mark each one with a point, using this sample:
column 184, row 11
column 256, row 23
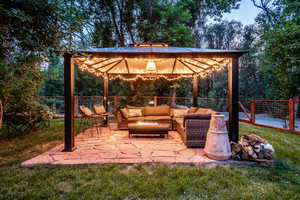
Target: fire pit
column 146, row 128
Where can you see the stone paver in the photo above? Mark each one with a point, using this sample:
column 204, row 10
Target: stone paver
column 114, row 146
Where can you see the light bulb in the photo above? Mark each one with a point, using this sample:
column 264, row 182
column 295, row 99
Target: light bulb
column 151, row 66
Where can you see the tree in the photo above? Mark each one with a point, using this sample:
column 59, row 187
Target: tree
column 223, row 35
column 201, row 10
column 28, row 28
column 281, row 42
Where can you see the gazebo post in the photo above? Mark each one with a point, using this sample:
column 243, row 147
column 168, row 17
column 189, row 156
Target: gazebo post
column 105, row 96
column 69, row 102
column 233, row 98
column 195, row 91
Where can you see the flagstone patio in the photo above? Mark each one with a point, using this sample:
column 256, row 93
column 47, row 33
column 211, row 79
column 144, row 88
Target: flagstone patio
column 114, row 146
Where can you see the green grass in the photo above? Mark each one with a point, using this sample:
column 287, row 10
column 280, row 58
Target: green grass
column 147, row 181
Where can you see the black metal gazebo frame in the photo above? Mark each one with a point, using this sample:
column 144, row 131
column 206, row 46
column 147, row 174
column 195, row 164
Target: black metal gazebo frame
column 151, row 52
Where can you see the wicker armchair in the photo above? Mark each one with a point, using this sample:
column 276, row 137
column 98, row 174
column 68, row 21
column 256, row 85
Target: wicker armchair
column 193, row 129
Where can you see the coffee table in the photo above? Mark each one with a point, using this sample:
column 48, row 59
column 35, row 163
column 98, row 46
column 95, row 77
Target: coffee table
column 147, row 128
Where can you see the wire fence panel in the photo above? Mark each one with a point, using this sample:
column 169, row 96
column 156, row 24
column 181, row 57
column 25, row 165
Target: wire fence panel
column 161, row 100
column 282, row 114
column 55, row 103
column 297, row 115
column 184, row 102
column 272, row 113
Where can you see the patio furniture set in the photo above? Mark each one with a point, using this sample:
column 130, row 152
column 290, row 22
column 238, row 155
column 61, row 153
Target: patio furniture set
column 192, row 124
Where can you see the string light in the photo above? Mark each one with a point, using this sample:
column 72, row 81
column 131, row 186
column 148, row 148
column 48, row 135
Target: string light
column 85, row 64
column 149, row 78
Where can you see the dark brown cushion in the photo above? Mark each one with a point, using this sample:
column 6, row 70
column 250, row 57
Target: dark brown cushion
column 197, row 116
column 157, row 111
column 178, row 112
column 192, row 109
column 157, row 118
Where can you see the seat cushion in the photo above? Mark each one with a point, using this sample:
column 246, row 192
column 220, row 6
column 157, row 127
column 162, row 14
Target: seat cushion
column 157, row 118
column 179, row 120
column 205, row 111
column 86, row 111
column 157, row 111
column 178, row 112
column 135, row 119
column 179, row 125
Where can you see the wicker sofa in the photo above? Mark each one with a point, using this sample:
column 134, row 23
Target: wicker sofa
column 192, row 125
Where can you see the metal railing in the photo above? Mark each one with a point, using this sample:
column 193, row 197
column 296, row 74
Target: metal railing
column 277, row 114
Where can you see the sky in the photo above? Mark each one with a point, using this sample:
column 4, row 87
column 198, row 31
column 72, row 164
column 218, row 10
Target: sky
column 245, row 14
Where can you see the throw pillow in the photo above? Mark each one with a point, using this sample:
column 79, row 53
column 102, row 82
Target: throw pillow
column 136, row 107
column 124, row 112
column 135, row 113
column 179, row 112
column 192, row 109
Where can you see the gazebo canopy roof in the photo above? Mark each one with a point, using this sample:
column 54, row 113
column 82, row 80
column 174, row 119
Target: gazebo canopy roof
column 159, row 60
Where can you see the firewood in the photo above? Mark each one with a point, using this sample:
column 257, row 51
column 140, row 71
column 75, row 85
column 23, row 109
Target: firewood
column 257, row 147
column 268, row 147
column 268, row 155
column 235, row 147
column 250, row 152
column 253, row 137
column 245, row 155
column 252, row 147
column 260, row 155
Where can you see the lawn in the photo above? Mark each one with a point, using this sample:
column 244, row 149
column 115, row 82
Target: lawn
column 147, row 181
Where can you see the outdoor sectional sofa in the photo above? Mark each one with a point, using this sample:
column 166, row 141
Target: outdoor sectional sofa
column 192, row 124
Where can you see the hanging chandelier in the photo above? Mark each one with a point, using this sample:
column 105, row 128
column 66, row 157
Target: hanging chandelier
column 151, row 67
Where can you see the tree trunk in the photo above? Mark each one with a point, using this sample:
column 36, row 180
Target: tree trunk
column 1, row 114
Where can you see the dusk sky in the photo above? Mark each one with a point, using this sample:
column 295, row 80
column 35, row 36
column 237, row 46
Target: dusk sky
column 245, row 14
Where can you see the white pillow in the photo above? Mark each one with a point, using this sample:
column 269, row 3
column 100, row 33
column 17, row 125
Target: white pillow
column 135, row 112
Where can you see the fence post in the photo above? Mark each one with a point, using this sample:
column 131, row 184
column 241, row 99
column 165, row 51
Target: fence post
column 291, row 115
column 155, row 100
column 252, row 110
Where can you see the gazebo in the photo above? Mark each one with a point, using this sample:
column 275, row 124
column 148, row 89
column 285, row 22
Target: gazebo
column 150, row 62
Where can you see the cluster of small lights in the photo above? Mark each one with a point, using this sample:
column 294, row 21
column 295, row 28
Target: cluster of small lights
column 206, row 62
column 151, row 45
column 151, row 78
